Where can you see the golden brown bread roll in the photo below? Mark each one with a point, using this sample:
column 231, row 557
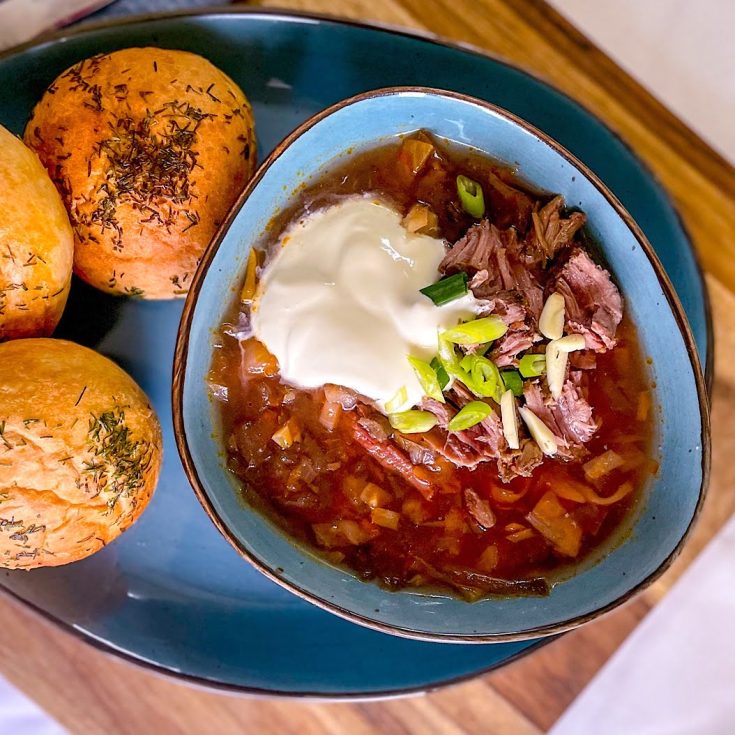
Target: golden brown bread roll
column 80, row 452
column 36, row 244
column 149, row 149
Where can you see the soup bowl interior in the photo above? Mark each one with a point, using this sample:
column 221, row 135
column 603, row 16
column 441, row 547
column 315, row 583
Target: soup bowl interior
column 672, row 497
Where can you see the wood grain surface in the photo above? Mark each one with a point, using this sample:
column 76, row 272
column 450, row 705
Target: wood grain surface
column 89, row 692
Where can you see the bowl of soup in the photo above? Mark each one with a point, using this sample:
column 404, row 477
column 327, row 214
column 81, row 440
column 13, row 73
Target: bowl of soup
column 431, row 377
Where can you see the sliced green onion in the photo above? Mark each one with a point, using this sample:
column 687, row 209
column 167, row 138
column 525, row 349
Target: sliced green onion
column 471, row 197
column 412, row 422
column 441, row 374
column 428, row 378
column 485, row 376
column 512, row 381
column 478, row 331
column 448, row 289
column 531, row 366
column 398, row 400
column 471, row 414
column 447, row 356
column 453, row 366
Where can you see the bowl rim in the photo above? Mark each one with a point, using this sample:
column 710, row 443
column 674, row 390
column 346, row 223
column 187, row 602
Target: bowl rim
column 182, row 349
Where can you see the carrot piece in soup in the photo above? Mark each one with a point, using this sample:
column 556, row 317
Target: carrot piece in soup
column 385, row 518
column 250, row 284
column 552, row 521
column 414, row 154
column 374, row 496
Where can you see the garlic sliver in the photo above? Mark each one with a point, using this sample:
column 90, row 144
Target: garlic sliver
column 570, row 343
column 541, row 433
column 551, row 321
column 509, row 419
column 556, row 367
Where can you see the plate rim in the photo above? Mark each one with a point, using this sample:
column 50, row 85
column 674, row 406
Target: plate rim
column 214, row 685
column 251, row 692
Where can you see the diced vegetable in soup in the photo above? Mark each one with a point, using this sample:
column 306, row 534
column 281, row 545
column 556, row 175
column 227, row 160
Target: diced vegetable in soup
column 432, row 381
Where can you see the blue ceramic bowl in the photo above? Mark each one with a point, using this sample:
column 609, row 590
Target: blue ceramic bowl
column 673, row 498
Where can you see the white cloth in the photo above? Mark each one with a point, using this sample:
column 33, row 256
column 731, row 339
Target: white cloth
column 18, row 714
column 682, row 51
column 675, row 673
column 21, row 20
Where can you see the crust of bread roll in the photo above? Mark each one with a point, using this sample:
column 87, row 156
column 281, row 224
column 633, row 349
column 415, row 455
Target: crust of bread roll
column 149, row 149
column 36, row 244
column 80, row 452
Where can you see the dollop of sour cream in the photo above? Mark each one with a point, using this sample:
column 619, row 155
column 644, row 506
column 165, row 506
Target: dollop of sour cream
column 340, row 301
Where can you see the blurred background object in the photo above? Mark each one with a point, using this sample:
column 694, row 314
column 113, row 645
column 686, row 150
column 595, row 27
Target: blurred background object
column 23, row 20
column 677, row 49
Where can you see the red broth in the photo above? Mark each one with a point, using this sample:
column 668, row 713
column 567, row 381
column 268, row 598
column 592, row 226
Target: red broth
column 440, row 524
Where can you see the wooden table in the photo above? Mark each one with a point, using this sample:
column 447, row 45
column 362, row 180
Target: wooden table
column 91, row 693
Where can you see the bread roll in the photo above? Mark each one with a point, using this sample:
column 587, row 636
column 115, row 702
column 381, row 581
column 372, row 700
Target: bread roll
column 36, row 244
column 80, row 452
column 149, row 149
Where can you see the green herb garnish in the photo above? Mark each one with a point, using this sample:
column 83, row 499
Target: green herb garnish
column 478, row 331
column 512, row 381
column 531, row 366
column 471, row 196
column 428, row 378
column 441, row 373
column 473, row 413
column 412, row 422
column 447, row 289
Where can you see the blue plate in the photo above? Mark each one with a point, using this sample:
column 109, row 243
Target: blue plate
column 171, row 593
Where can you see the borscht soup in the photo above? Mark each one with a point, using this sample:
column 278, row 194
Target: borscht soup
column 429, row 377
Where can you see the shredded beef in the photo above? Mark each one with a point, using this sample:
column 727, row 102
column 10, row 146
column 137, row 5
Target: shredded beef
column 489, row 433
column 418, row 453
column 479, row 509
column 569, row 418
column 521, row 461
column 594, row 307
column 391, row 458
column 460, row 447
column 506, row 351
column 483, row 442
column 538, row 402
column 457, row 451
column 573, row 413
column 508, row 305
column 530, row 289
column 492, row 257
column 481, row 248
column 443, row 413
column 377, row 426
column 551, row 232
column 499, row 277
column 508, row 276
